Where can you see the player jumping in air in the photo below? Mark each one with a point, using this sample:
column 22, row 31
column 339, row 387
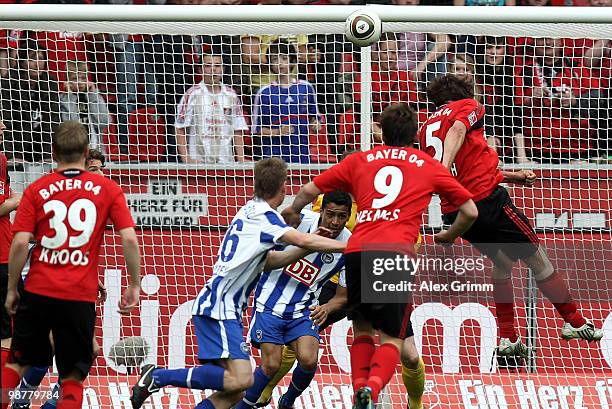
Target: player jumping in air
column 32, row 379
column 454, row 136
column 217, row 310
column 66, row 213
column 392, row 185
column 284, row 299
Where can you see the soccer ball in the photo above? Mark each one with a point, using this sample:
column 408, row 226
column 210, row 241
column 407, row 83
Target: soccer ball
column 363, row 28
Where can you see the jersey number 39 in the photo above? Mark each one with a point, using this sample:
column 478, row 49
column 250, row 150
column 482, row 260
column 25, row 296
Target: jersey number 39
column 81, row 217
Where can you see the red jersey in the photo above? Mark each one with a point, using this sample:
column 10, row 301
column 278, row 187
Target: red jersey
column 6, row 237
column 476, row 163
column 392, row 186
column 66, row 211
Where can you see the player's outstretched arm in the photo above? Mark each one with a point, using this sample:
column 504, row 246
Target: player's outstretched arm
column 468, row 213
column 453, row 142
column 18, row 256
column 131, row 253
column 313, row 242
column 280, row 259
column 307, row 194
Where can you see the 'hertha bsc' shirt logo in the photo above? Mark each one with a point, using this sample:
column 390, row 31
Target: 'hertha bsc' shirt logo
column 327, row 258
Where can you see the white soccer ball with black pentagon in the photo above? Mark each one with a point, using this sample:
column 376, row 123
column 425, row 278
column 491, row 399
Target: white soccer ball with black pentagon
column 363, row 28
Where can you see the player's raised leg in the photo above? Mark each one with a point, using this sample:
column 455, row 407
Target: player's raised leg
column 553, row 286
column 226, row 367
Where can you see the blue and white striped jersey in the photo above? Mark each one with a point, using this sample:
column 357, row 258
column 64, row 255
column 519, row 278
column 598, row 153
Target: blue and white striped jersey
column 289, row 292
column 255, row 229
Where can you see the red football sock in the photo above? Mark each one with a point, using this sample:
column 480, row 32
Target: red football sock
column 503, row 295
column 361, row 354
column 555, row 289
column 4, row 356
column 71, row 395
column 382, row 367
column 10, row 380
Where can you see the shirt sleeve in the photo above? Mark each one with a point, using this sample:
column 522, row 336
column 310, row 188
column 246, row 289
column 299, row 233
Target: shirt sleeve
column 120, row 212
column 261, row 112
column 471, row 114
column 336, row 177
column 273, row 227
column 184, row 115
column 240, row 123
column 447, row 186
column 25, row 218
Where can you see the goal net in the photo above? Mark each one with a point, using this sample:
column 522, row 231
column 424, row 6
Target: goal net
column 181, row 100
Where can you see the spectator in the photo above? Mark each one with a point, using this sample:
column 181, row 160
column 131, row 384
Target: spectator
column 9, row 40
column 83, row 102
column 321, row 70
column 463, row 67
column 253, row 71
column 61, row 47
column 422, row 54
column 134, row 57
column 254, row 50
column 175, row 71
column 559, row 94
column 390, row 84
column 285, row 112
column 210, row 123
column 30, row 106
column 503, row 120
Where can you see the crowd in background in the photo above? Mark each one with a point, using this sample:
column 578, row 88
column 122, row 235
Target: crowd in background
column 221, row 99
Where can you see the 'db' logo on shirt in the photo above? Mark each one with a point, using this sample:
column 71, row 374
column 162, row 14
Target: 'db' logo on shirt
column 303, row 271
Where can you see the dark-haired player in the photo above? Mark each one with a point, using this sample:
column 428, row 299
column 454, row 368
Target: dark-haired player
column 66, row 213
column 454, row 135
column 284, row 299
column 96, row 161
column 217, row 310
column 392, row 185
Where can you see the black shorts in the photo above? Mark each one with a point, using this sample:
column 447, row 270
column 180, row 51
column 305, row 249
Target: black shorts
column 391, row 318
column 6, row 330
column 500, row 227
column 327, row 293
column 72, row 324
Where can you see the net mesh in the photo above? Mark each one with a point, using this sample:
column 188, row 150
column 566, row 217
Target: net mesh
column 181, row 117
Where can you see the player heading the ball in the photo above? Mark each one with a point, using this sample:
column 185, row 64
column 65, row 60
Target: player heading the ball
column 66, row 213
column 217, row 310
column 454, row 135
